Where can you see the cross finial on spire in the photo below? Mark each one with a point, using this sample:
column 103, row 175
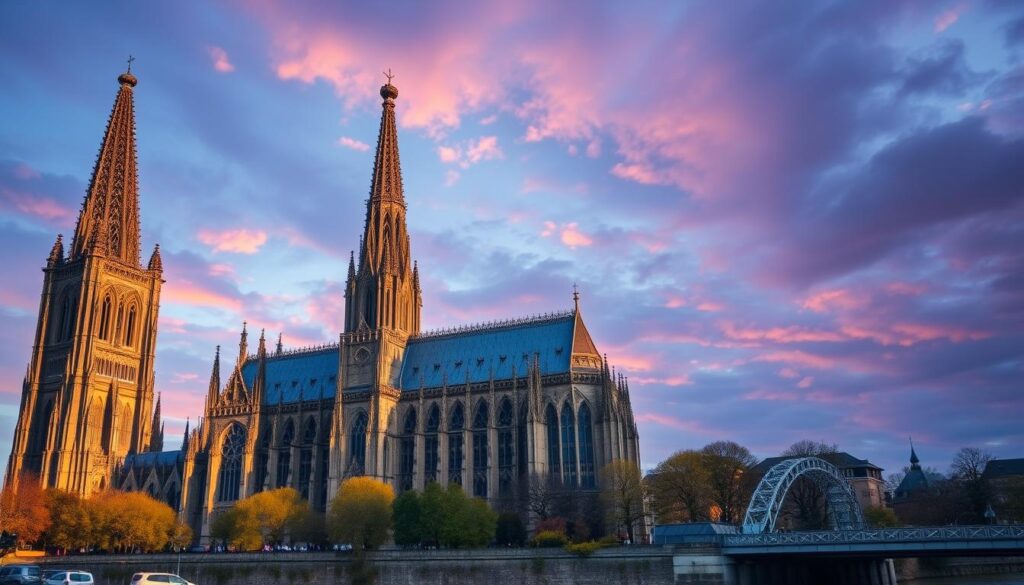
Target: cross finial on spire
column 389, row 75
column 130, row 59
column 576, row 296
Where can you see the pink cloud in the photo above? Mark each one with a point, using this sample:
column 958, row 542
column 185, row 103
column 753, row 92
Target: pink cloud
column 825, row 300
column 220, row 60
column 38, row 206
column 771, row 395
column 353, row 144
column 791, row 334
column 241, row 241
column 471, row 152
column 573, row 237
column 948, row 18
column 711, row 306
column 184, row 292
column 679, row 424
column 806, row 382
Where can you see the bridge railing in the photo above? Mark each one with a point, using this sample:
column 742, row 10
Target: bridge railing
column 878, row 535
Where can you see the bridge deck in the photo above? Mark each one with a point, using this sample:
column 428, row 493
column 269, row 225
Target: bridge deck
column 923, row 541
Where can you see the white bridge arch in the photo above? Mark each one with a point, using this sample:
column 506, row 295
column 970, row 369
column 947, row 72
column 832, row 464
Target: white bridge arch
column 844, row 512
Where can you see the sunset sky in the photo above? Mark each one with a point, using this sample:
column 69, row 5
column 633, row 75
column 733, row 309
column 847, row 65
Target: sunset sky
column 787, row 220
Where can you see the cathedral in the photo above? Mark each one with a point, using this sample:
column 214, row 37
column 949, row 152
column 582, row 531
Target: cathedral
column 494, row 408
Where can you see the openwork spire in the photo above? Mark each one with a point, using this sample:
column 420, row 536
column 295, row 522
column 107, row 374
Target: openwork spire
column 387, row 171
column 109, row 220
column 381, row 293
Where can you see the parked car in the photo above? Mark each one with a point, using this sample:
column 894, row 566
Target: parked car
column 20, row 575
column 68, row 578
column 147, row 578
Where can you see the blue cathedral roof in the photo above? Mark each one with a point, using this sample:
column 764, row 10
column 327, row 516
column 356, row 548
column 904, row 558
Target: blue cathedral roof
column 473, row 352
column 298, row 375
column 153, row 459
column 432, row 358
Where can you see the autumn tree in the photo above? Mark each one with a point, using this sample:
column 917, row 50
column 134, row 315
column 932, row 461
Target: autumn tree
column 623, row 495
column 70, row 523
column 267, row 518
column 680, row 488
column 361, row 513
column 728, row 465
column 407, row 518
column 881, row 517
column 130, row 521
column 24, row 512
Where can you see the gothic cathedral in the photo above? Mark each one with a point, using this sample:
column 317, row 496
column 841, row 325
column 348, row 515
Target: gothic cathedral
column 494, row 408
column 88, row 391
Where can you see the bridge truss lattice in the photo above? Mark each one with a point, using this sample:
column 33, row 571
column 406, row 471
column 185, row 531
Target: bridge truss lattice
column 844, row 512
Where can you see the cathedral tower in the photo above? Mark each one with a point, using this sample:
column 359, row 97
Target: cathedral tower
column 382, row 311
column 88, row 392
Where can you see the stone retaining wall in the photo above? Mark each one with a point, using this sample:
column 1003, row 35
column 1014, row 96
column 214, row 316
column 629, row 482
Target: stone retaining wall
column 634, row 566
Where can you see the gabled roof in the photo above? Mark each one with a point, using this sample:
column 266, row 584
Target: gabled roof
column 1003, row 468
column 475, row 351
column 295, row 375
column 840, row 459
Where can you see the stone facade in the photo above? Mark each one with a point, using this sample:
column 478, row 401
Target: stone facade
column 88, row 391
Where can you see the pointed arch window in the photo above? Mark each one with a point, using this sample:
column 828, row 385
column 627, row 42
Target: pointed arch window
column 284, row 455
column 585, row 434
column 430, row 449
column 129, row 327
column 306, row 457
column 569, row 445
column 119, row 323
column 407, row 451
column 230, row 480
column 357, row 445
column 480, row 447
column 105, row 309
column 60, row 332
column 551, row 418
column 506, row 448
column 456, row 424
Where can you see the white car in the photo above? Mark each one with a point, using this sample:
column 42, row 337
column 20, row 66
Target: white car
column 69, row 577
column 147, row 578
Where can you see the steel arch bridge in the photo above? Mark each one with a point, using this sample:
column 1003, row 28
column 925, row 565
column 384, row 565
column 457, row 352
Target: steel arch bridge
column 844, row 512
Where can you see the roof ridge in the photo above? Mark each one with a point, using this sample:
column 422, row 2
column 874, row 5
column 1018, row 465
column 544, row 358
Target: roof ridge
column 495, row 325
column 309, row 349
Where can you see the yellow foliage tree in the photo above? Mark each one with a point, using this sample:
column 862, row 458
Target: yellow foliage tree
column 130, row 521
column 267, row 518
column 361, row 513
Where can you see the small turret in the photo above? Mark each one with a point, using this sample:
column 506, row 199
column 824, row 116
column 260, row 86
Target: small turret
column 156, row 440
column 156, row 263
column 56, row 253
column 243, row 344
column 280, row 347
column 213, row 391
column 184, row 439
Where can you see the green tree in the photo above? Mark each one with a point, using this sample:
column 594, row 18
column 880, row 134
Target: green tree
column 728, row 465
column 623, row 493
column 222, row 529
column 881, row 517
column 407, row 518
column 680, row 488
column 483, row 522
column 510, row 530
column 361, row 513
column 432, row 513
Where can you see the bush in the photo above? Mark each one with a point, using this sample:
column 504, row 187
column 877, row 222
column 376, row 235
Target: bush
column 553, row 524
column 510, row 530
column 407, row 519
column 584, row 549
column 550, row 539
column 877, row 517
column 610, row 540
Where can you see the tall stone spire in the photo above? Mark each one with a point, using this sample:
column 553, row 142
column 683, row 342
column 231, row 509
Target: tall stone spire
column 156, row 440
column 384, row 295
column 109, row 219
